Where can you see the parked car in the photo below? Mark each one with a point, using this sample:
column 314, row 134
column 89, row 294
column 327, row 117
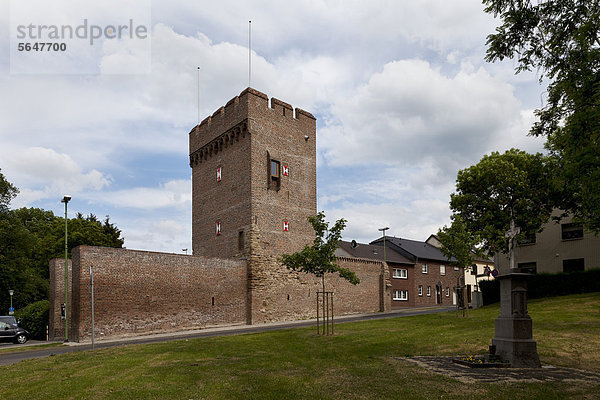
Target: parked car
column 10, row 331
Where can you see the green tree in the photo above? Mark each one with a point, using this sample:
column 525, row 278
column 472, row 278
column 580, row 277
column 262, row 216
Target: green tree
column 320, row 259
column 560, row 38
column 7, row 192
column 458, row 242
column 30, row 237
column 514, row 186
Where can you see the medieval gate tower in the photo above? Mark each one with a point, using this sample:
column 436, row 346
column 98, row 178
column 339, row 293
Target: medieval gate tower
column 253, row 187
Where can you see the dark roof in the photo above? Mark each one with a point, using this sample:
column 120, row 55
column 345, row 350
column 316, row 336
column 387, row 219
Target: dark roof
column 374, row 252
column 413, row 249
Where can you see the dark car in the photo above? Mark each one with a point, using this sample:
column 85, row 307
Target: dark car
column 10, row 331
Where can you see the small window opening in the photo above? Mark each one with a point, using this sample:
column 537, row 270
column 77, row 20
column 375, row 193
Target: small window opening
column 213, row 300
column 241, row 243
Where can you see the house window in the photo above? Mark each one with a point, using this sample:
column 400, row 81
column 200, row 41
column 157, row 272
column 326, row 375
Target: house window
column 572, row 231
column 428, row 290
column 400, row 295
column 400, row 273
column 528, row 267
column 442, row 270
column 420, row 290
column 573, row 265
column 474, row 269
column 424, row 268
column 528, row 238
column 447, row 291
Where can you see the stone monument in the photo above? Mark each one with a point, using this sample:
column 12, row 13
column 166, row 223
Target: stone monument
column 513, row 328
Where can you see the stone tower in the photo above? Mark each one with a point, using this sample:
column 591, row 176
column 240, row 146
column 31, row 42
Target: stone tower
column 253, row 187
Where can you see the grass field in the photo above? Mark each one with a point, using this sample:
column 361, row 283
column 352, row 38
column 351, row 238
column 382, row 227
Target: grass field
column 359, row 362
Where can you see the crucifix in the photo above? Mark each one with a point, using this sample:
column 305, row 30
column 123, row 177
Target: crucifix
column 511, row 234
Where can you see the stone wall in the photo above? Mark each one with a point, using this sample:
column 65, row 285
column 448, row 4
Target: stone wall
column 139, row 292
column 282, row 295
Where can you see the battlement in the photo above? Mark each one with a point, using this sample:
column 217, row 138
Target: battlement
column 248, row 99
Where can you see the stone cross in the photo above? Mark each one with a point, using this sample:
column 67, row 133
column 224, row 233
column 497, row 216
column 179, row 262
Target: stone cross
column 511, row 234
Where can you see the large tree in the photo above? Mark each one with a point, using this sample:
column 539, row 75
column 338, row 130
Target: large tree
column 561, row 39
column 514, row 186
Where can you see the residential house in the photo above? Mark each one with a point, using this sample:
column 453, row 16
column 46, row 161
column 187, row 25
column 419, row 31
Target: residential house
column 560, row 247
column 435, row 279
column 401, row 269
column 478, row 271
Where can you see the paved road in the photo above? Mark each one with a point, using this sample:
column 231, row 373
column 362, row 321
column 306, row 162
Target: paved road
column 14, row 357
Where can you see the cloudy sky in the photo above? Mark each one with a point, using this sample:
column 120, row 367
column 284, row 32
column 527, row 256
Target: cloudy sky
column 402, row 96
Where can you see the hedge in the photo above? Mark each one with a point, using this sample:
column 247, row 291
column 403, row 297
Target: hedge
column 548, row 285
column 34, row 318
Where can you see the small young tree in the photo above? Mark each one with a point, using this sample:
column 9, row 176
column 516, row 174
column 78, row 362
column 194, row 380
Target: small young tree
column 459, row 243
column 320, row 259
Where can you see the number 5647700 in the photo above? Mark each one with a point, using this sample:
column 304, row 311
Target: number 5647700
column 42, row 46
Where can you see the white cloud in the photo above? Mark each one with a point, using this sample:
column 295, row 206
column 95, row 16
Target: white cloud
column 53, row 173
column 170, row 194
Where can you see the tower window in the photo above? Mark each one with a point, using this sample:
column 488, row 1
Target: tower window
column 241, row 241
column 274, row 169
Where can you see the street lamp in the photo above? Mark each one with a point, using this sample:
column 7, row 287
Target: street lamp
column 65, row 200
column 383, row 230
column 11, row 310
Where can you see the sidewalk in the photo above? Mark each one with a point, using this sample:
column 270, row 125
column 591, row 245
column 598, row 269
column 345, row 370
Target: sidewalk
column 243, row 328
column 237, row 328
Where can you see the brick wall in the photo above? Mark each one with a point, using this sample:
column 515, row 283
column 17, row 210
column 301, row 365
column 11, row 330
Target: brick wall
column 56, row 324
column 140, row 292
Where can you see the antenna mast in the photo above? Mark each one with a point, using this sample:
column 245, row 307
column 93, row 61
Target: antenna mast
column 249, row 53
column 198, row 96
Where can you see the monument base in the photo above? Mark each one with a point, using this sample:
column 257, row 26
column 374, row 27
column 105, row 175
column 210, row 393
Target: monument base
column 513, row 328
column 520, row 353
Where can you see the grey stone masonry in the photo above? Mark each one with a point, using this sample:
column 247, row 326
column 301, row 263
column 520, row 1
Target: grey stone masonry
column 513, row 328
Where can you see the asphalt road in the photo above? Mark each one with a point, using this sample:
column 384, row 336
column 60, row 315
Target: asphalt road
column 27, row 354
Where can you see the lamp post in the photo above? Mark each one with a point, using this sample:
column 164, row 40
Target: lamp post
column 11, row 310
column 383, row 230
column 65, row 200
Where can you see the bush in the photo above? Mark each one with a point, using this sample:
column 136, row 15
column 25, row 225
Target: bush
column 34, row 318
column 548, row 285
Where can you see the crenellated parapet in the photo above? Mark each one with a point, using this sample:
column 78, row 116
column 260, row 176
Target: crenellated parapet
column 214, row 132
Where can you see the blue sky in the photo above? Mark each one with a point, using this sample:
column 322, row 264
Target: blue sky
column 400, row 89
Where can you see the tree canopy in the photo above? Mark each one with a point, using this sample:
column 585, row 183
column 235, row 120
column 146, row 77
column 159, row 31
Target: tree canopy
column 30, row 237
column 560, row 38
column 500, row 188
column 7, row 192
column 319, row 259
column 458, row 242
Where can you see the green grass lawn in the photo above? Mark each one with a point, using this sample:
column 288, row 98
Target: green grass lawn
column 359, row 362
